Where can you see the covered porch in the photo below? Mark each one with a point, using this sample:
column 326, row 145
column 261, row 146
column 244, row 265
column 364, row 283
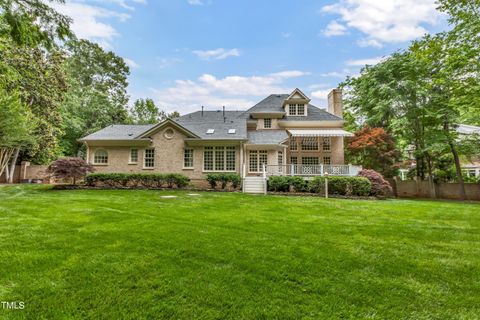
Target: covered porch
column 296, row 153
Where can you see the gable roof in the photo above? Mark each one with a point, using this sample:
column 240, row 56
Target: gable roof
column 166, row 122
column 274, row 103
column 199, row 122
column 298, row 92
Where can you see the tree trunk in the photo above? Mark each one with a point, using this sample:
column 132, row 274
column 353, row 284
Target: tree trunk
column 456, row 158
column 433, row 192
column 458, row 168
column 5, row 154
column 13, row 163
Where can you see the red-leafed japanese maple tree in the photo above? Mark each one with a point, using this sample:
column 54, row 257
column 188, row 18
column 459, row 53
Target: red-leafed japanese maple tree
column 374, row 148
column 69, row 168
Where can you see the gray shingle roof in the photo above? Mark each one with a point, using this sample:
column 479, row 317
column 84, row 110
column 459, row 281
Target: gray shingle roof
column 199, row 124
column 119, row 132
column 274, row 103
column 267, row 136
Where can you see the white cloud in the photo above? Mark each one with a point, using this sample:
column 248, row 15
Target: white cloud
column 320, row 97
column 334, row 29
column 92, row 22
column 369, row 43
column 336, row 74
column 196, row 2
column 131, row 63
column 386, row 21
column 216, row 54
column 363, row 62
column 164, row 63
column 234, row 92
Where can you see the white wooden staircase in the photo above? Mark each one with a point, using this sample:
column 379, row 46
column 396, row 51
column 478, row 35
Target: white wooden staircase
column 254, row 185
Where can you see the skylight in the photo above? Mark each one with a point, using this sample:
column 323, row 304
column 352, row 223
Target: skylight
column 231, row 131
column 210, row 131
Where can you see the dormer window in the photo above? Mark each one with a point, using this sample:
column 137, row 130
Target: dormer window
column 210, row 131
column 296, row 109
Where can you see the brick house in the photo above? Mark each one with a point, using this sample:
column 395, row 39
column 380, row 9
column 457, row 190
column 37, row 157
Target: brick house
column 282, row 134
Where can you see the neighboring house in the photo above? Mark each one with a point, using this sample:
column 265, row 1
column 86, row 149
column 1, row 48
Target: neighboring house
column 282, row 134
column 472, row 168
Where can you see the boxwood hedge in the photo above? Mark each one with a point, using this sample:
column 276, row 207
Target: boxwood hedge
column 137, row 180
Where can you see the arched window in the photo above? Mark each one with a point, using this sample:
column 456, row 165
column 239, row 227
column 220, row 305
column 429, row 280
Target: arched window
column 101, row 157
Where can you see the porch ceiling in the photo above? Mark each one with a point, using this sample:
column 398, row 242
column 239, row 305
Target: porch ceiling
column 320, row 133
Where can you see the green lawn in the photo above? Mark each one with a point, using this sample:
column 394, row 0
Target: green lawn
column 133, row 255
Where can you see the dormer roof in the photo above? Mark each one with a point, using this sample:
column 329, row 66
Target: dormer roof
column 297, row 96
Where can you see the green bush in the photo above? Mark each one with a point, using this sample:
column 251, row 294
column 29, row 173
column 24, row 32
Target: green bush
column 345, row 186
column 223, row 179
column 316, row 185
column 299, row 184
column 279, row 183
column 156, row 180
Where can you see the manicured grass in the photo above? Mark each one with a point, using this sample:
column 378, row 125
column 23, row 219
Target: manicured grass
column 133, row 255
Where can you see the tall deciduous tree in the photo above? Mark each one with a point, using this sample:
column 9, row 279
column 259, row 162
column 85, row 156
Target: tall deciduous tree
column 97, row 96
column 144, row 111
column 33, row 23
column 40, row 81
column 16, row 126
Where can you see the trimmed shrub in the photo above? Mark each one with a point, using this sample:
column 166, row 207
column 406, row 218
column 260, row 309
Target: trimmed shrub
column 235, row 179
column 212, row 179
column 279, row 183
column 345, row 186
column 316, row 185
column 223, row 179
column 380, row 186
column 299, row 184
column 136, row 180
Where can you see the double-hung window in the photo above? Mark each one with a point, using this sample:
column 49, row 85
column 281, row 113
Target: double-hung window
column 188, row 158
column 149, row 158
column 293, row 144
column 312, row 161
column 310, row 143
column 133, row 156
column 327, row 144
column 219, row 158
column 296, row 109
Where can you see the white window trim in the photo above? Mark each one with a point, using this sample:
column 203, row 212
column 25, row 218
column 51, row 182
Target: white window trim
column 193, row 159
column 259, row 165
column 144, row 157
column 130, row 156
column 264, row 126
column 224, row 160
column 305, row 110
column 101, row 163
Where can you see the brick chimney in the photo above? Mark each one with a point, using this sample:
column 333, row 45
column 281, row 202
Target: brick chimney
column 335, row 102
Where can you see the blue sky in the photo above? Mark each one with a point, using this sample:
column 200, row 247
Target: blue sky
column 189, row 53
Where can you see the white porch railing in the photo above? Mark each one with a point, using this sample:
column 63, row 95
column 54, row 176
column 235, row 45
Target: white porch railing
column 312, row 170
